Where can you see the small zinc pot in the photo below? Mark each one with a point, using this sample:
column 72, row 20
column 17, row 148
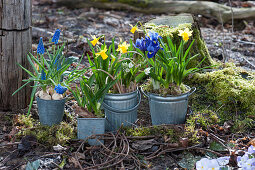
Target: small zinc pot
column 50, row 111
column 90, row 126
column 121, row 109
column 169, row 109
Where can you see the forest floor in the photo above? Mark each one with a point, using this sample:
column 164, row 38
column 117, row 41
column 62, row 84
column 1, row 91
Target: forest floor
column 151, row 152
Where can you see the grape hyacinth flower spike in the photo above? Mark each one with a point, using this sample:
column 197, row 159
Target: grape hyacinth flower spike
column 60, row 89
column 40, row 47
column 56, row 36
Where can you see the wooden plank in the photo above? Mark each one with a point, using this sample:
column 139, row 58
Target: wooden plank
column 14, row 48
column 15, row 43
column 15, row 14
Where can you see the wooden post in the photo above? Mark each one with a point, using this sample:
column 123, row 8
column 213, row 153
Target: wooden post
column 15, row 43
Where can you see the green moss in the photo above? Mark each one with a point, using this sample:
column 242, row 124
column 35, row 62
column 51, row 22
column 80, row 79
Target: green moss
column 242, row 125
column 46, row 135
column 229, row 92
column 50, row 136
column 203, row 119
column 173, row 135
column 198, row 120
column 24, row 121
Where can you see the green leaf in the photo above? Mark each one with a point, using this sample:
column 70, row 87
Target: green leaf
column 217, row 146
column 33, row 166
column 188, row 161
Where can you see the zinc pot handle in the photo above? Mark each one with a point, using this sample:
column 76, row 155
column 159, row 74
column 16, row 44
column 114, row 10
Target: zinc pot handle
column 193, row 89
column 123, row 111
column 145, row 93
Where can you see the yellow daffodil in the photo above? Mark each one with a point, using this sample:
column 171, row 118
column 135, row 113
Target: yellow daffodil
column 185, row 34
column 94, row 41
column 133, row 29
column 103, row 53
column 123, row 47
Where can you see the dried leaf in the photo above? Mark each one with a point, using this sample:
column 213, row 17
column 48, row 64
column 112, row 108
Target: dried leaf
column 252, row 142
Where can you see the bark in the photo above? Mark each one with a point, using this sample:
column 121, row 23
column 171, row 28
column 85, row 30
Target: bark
column 15, row 43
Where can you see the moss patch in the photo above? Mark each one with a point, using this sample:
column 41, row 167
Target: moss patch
column 229, row 92
column 171, row 134
column 46, row 135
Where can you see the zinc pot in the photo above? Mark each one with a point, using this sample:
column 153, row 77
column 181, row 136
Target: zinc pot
column 169, row 109
column 50, row 111
column 90, row 126
column 121, row 109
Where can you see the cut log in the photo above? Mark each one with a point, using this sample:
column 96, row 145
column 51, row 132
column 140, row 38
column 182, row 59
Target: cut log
column 169, row 26
column 209, row 9
column 15, row 43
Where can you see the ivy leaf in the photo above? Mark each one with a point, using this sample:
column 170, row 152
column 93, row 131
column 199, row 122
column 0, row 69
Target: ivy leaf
column 188, row 160
column 217, row 147
column 33, row 166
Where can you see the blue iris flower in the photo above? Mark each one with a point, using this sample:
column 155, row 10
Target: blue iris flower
column 56, row 36
column 150, row 44
column 43, row 75
column 154, row 36
column 141, row 44
column 40, row 47
column 60, row 89
column 151, row 50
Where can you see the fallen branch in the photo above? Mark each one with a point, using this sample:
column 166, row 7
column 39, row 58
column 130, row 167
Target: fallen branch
column 206, row 8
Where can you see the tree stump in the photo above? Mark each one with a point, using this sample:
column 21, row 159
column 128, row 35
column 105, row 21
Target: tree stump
column 15, row 43
column 169, row 26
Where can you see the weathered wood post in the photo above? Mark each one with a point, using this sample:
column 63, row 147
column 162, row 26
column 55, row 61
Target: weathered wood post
column 15, row 43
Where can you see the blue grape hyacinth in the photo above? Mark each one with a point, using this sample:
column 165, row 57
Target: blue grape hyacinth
column 60, row 89
column 56, row 36
column 40, row 47
column 43, row 75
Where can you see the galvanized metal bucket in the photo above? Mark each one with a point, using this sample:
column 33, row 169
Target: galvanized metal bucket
column 169, row 109
column 121, row 109
column 90, row 126
column 50, row 111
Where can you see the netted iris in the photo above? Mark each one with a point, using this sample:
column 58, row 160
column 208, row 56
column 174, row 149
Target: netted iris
column 150, row 44
column 141, row 44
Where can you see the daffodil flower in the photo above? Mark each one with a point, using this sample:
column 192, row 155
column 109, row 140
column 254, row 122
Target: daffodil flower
column 94, row 41
column 103, row 53
column 133, row 29
column 185, row 34
column 123, row 47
